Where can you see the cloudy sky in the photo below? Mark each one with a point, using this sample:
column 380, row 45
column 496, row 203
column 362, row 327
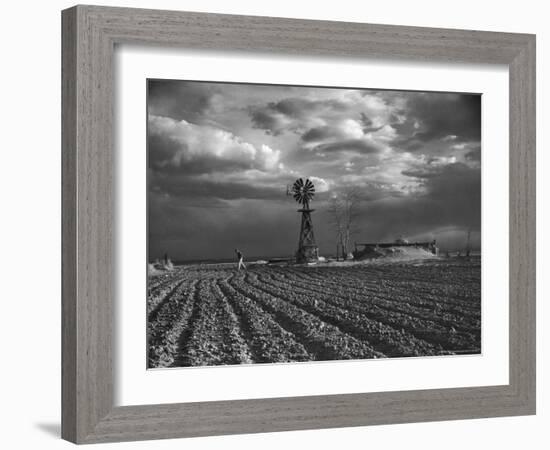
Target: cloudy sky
column 221, row 156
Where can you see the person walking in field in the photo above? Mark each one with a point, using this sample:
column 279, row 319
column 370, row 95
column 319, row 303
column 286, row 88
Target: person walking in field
column 240, row 258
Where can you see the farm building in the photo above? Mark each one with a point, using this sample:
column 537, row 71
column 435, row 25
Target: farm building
column 374, row 250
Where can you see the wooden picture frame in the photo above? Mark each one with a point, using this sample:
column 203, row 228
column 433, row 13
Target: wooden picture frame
column 89, row 37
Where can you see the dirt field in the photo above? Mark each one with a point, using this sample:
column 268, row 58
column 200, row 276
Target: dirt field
column 212, row 315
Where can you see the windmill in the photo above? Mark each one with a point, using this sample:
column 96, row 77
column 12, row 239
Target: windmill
column 303, row 192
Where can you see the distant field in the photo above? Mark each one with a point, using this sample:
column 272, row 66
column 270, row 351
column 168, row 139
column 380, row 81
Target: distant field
column 215, row 315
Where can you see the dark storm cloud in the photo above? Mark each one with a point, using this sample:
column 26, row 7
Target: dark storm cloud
column 285, row 115
column 161, row 150
column 449, row 183
column 452, row 198
column 474, row 155
column 319, row 134
column 368, row 123
column 172, row 98
column 334, row 134
column 438, row 116
column 298, row 107
column 266, row 120
column 350, row 145
column 447, row 115
column 212, row 187
column 202, row 231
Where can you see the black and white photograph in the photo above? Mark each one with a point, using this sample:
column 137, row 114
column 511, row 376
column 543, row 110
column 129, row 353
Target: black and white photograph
column 295, row 224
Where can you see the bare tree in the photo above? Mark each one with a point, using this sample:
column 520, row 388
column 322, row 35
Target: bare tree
column 344, row 210
column 335, row 209
column 352, row 199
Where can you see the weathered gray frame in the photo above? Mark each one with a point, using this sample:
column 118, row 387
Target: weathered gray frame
column 89, row 36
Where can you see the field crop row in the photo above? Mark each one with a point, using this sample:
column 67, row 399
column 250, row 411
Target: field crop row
column 205, row 315
column 322, row 340
column 214, row 335
column 449, row 332
column 387, row 340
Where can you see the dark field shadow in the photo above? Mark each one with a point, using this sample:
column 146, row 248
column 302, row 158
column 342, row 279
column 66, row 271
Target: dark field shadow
column 53, row 429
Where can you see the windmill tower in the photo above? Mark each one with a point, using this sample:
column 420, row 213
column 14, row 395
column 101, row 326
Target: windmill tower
column 303, row 192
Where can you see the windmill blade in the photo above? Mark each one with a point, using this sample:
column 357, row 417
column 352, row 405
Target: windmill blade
column 309, row 186
column 303, row 190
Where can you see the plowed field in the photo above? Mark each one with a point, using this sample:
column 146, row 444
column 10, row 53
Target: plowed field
column 212, row 315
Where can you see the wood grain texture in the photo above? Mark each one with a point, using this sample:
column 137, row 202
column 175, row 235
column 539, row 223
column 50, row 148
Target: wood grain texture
column 523, row 224
column 89, row 36
column 88, row 208
column 68, row 226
